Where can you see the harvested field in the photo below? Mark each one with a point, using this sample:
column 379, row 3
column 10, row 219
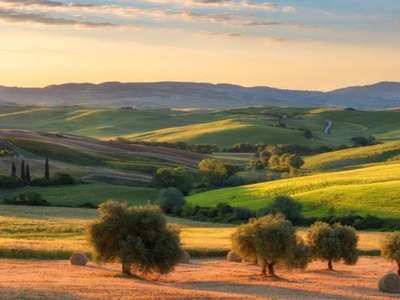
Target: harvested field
column 200, row 279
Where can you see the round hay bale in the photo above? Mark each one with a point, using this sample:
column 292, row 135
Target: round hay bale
column 233, row 257
column 78, row 259
column 185, row 257
column 389, row 283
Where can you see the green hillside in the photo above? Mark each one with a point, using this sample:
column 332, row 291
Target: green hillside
column 354, row 156
column 372, row 190
column 271, row 125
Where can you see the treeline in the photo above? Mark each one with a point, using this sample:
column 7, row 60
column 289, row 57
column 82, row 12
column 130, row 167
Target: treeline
column 198, row 148
column 24, row 178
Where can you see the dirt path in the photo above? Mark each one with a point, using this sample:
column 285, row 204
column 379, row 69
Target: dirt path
column 200, row 279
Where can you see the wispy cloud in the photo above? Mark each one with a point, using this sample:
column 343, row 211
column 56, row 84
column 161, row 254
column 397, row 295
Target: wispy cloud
column 265, row 5
column 18, row 17
column 265, row 23
column 208, row 34
column 288, row 9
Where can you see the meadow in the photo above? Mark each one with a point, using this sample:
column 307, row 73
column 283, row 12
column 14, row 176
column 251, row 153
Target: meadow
column 57, row 232
column 368, row 190
column 271, row 125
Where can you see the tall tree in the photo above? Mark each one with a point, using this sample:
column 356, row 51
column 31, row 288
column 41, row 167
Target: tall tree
column 27, row 174
column 47, row 170
column 23, row 170
column 13, row 170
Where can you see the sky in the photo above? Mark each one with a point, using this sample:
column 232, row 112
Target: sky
column 291, row 44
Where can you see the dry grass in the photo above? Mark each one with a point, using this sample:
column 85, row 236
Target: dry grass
column 200, row 279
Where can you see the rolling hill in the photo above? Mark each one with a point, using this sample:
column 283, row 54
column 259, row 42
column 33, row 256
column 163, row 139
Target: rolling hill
column 369, row 190
column 199, row 95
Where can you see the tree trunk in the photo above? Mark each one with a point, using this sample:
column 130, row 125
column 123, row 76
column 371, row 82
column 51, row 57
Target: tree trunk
column 330, row 265
column 264, row 268
column 398, row 270
column 271, row 270
column 126, row 268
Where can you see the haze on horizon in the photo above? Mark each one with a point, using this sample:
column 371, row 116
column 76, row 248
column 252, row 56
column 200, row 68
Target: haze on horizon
column 309, row 44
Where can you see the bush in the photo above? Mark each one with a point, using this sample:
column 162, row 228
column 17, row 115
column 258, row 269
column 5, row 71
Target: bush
column 270, row 240
column 9, row 182
column 138, row 237
column 290, row 208
column 28, row 198
column 171, row 201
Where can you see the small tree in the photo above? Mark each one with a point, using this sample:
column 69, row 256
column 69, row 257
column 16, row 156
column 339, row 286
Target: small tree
column 270, row 240
column 214, row 171
column 333, row 243
column 173, row 177
column 47, row 170
column 391, row 248
column 23, row 170
column 136, row 236
column 27, row 174
column 13, row 170
column 171, row 201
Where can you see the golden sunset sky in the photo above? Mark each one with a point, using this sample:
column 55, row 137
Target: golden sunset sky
column 308, row 45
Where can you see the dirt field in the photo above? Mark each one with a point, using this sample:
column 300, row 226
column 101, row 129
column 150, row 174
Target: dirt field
column 200, row 279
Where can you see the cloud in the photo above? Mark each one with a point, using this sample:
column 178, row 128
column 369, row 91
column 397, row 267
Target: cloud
column 265, row 5
column 265, row 23
column 12, row 16
column 207, row 34
column 288, row 9
column 205, row 17
column 272, row 40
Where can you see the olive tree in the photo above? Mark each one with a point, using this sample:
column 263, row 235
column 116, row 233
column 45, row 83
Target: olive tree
column 270, row 240
column 333, row 243
column 391, row 248
column 286, row 205
column 138, row 237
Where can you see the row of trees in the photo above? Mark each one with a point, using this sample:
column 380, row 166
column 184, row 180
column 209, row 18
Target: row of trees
column 272, row 240
column 25, row 171
column 141, row 240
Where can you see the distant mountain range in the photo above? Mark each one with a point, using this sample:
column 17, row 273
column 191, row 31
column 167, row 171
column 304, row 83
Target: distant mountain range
column 381, row 95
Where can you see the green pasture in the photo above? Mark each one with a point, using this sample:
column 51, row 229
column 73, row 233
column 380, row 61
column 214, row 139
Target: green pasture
column 353, row 156
column 369, row 190
column 222, row 127
column 73, row 195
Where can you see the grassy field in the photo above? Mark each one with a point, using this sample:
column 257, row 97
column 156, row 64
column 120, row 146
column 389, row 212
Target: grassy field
column 389, row 151
column 73, row 195
column 372, row 190
column 56, row 232
column 223, row 127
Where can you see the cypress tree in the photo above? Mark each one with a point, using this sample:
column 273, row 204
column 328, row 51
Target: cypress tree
column 27, row 174
column 23, row 170
column 47, row 170
column 13, row 170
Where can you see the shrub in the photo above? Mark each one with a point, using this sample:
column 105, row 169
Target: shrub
column 290, row 208
column 136, row 236
column 391, row 248
column 28, row 198
column 270, row 240
column 171, row 201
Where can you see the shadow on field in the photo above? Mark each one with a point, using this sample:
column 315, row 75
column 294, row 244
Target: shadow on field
column 261, row 290
column 37, row 294
column 333, row 273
